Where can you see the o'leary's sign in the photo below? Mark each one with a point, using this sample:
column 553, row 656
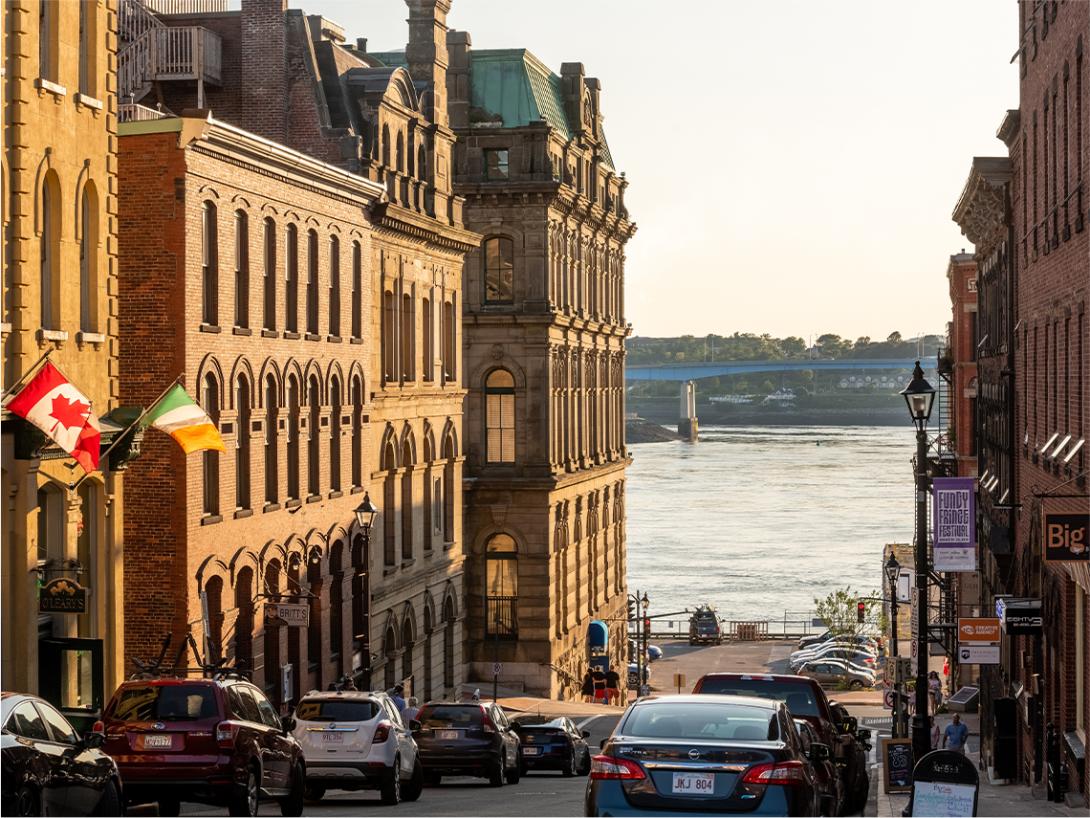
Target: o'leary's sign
column 954, row 504
column 62, row 595
column 1066, row 537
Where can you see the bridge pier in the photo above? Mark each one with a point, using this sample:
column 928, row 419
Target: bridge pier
column 687, row 423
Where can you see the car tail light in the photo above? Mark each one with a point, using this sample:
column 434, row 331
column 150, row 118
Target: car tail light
column 382, row 732
column 486, row 724
column 786, row 773
column 226, row 731
column 611, row 768
column 98, row 727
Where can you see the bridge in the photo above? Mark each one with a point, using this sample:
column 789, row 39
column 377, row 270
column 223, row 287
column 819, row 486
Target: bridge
column 712, row 369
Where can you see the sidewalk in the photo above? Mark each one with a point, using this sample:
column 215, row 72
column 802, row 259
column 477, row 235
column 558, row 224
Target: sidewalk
column 1000, row 800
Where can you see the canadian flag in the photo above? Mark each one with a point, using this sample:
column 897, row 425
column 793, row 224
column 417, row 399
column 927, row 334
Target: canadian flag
column 64, row 413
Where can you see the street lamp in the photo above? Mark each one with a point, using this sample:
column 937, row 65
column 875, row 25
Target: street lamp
column 365, row 514
column 893, row 573
column 919, row 395
column 365, row 517
column 645, row 602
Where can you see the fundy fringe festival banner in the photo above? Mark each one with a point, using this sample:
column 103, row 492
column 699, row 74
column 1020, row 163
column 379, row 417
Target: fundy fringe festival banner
column 953, row 503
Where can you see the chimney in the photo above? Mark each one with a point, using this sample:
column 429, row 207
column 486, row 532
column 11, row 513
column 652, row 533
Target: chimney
column 361, row 45
column 459, row 45
column 264, row 31
column 571, row 83
column 426, row 53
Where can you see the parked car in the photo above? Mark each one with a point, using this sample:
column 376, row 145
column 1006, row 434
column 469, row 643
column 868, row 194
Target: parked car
column 829, row 636
column 357, row 741
column 856, row 744
column 704, row 627
column 553, row 744
column 703, row 754
column 837, row 673
column 861, row 652
column 467, row 738
column 213, row 741
column 830, row 787
column 806, row 699
column 861, row 658
column 46, row 768
column 814, row 639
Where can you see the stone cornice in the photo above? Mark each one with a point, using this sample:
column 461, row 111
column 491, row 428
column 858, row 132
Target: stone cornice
column 981, row 212
column 405, row 222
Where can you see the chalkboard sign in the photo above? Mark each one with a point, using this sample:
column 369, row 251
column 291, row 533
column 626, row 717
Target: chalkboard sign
column 897, row 761
column 945, row 784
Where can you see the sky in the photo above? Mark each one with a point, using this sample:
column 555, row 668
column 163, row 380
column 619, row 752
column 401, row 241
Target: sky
column 793, row 164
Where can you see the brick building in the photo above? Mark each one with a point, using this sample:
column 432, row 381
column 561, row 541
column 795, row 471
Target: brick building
column 384, row 131
column 962, row 338
column 58, row 175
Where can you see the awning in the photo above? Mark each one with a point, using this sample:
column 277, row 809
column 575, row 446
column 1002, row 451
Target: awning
column 597, row 634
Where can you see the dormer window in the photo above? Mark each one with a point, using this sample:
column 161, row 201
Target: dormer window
column 495, row 165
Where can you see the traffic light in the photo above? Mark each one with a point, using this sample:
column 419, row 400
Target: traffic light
column 861, row 611
column 631, row 609
column 646, row 626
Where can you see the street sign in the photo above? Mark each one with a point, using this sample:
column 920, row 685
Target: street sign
column 978, row 654
column 902, row 670
column 679, row 681
column 497, row 668
column 292, row 614
column 978, row 640
column 887, row 699
column 915, row 658
column 906, row 580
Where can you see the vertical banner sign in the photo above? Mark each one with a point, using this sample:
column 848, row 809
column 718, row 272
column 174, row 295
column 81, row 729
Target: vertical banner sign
column 953, row 502
column 1066, row 537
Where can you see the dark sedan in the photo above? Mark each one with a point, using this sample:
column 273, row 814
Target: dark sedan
column 467, row 738
column 552, row 745
column 47, row 769
column 703, row 754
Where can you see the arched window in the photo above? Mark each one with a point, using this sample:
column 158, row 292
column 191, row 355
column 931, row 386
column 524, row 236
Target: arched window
column 386, row 145
column 312, row 282
column 51, row 250
column 51, row 536
column 389, row 511
column 422, row 162
column 389, row 336
column 498, row 257
column 499, row 392
column 336, row 600
column 428, row 330
column 272, row 441
column 389, row 649
column 450, row 341
column 448, row 491
column 335, row 434
column 272, row 637
column 357, row 431
column 268, row 300
column 211, row 459
column 293, row 438
column 213, row 593
column 209, row 265
column 244, row 621
column 407, row 346
column 400, row 154
column 291, row 279
column 242, row 269
column 448, row 644
column 242, row 445
column 357, row 291
column 359, row 590
column 429, row 624
column 501, row 587
column 407, row 505
column 314, row 627
column 314, row 402
column 295, row 650
column 88, row 257
column 407, row 640
column 334, row 286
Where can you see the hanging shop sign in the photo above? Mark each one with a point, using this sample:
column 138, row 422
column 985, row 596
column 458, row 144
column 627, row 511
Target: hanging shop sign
column 62, row 595
column 1066, row 537
column 292, row 614
column 953, row 502
column 1020, row 616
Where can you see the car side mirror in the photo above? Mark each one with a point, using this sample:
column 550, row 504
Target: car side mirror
column 414, row 725
column 585, row 733
column 92, row 741
column 819, row 752
column 287, row 724
column 602, row 744
column 863, row 735
column 851, row 724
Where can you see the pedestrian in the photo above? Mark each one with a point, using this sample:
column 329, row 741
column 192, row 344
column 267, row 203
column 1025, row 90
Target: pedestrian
column 936, row 734
column 956, row 735
column 934, row 690
column 598, row 678
column 587, row 688
column 395, row 696
column 411, row 709
column 613, row 686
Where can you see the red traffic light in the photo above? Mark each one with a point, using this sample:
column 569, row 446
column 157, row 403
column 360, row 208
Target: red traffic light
column 646, row 625
column 861, row 611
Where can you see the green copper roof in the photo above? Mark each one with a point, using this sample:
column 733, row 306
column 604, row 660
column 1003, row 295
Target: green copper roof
column 394, row 59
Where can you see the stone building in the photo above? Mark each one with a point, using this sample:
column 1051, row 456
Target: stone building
column 544, row 366
column 58, row 180
column 290, row 78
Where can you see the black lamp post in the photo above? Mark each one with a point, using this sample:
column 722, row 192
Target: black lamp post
column 920, row 397
column 365, row 516
column 893, row 573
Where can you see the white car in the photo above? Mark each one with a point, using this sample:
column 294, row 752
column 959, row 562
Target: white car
column 839, row 649
column 357, row 741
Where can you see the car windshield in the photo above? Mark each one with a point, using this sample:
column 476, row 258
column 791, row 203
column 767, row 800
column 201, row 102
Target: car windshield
column 444, row 715
column 176, row 702
column 699, row 721
column 797, row 695
column 336, row 710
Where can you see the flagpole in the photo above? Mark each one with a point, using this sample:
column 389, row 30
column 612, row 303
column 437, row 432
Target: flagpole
column 102, row 455
column 26, row 374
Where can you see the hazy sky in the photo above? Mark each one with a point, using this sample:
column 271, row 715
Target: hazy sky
column 793, row 163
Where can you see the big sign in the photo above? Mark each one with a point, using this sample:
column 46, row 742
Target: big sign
column 1066, row 537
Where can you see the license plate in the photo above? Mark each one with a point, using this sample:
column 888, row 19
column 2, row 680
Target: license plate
column 157, row 741
column 694, row 783
column 446, row 735
column 332, row 738
column 530, row 751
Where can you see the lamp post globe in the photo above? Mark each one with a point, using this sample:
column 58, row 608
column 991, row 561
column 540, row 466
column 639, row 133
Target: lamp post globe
column 365, row 512
column 919, row 395
column 893, row 571
column 645, row 602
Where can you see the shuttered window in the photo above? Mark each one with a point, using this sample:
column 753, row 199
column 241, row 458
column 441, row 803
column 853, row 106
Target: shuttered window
column 500, row 416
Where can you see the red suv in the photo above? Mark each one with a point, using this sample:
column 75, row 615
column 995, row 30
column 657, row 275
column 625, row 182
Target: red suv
column 215, row 741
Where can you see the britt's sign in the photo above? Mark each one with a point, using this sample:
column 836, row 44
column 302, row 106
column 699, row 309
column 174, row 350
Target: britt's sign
column 953, row 502
column 294, row 615
column 62, row 595
column 1066, row 537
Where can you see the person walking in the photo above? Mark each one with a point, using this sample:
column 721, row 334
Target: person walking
column 613, row 686
column 956, row 735
column 395, row 694
column 934, row 690
column 936, row 734
column 411, row 709
column 587, row 688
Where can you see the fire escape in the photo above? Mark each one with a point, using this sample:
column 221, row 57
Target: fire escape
column 151, row 51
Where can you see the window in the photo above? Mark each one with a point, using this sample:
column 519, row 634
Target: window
column 242, row 269
column 268, row 317
column 58, row 725
column 50, row 251
column 389, row 347
column 88, row 39
column 448, row 643
column 26, row 722
column 407, row 327
column 495, row 164
column 211, row 459
column 357, row 291
column 386, row 145
column 242, row 445
column 335, row 435
column 499, row 270
column 357, row 432
column 407, row 502
column 88, row 258
column 312, row 282
column 47, row 40
column 209, row 266
column 334, row 286
column 501, row 587
column 450, row 342
column 314, row 401
column 272, row 419
column 291, row 279
column 336, row 599
column 293, row 438
column 429, row 340
column 500, row 416
column 389, row 510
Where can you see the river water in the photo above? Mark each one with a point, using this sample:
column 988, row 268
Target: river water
column 759, row 520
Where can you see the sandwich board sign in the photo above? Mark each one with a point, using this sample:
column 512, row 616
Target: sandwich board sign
column 944, row 783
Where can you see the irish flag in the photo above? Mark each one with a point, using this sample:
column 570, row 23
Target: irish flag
column 64, row 413
column 179, row 416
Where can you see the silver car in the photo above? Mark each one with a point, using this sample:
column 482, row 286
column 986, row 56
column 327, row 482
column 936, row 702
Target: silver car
column 355, row 741
column 834, row 672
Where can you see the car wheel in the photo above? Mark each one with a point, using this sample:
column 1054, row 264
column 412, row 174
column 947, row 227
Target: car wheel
column 514, row 773
column 415, row 785
column 243, row 800
column 170, row 806
column 314, row 792
column 570, row 769
column 584, row 768
column 292, row 804
column 28, row 802
column 855, row 684
column 498, row 773
column 110, row 802
column 391, row 787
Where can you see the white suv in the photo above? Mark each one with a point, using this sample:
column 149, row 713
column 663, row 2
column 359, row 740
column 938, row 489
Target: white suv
column 355, row 741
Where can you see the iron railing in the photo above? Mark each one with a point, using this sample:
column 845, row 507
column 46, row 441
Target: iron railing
column 501, row 617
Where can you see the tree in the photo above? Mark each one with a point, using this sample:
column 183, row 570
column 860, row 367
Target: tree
column 894, row 337
column 839, row 609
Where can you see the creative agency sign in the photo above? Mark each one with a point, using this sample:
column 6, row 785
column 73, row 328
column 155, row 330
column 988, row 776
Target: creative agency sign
column 953, row 501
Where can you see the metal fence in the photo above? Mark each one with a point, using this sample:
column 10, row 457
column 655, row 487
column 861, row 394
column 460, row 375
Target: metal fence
column 792, row 625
